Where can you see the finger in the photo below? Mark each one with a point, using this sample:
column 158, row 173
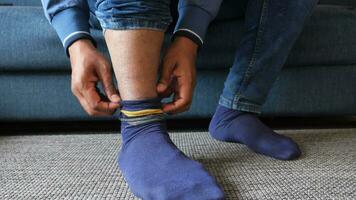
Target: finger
column 169, row 91
column 85, row 105
column 105, row 76
column 76, row 92
column 95, row 103
column 183, row 96
column 166, row 75
column 176, row 106
column 181, row 101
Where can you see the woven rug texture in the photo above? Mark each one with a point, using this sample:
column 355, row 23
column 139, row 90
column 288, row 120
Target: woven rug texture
column 83, row 166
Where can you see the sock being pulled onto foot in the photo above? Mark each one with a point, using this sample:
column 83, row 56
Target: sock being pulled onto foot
column 236, row 126
column 154, row 168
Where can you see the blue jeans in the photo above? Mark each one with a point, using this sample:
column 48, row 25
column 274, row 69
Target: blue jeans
column 272, row 26
column 132, row 14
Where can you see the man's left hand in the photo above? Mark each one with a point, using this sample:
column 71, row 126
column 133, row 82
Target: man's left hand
column 178, row 75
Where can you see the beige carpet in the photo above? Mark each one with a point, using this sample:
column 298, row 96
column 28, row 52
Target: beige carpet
column 83, row 166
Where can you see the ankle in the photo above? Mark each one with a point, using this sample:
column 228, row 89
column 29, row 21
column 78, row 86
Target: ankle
column 141, row 116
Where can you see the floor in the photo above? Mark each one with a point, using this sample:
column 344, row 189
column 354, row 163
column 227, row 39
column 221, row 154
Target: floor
column 74, row 165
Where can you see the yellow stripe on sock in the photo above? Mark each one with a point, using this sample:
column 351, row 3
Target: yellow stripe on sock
column 140, row 113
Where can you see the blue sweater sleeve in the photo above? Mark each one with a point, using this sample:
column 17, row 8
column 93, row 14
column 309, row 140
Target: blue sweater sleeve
column 195, row 17
column 70, row 19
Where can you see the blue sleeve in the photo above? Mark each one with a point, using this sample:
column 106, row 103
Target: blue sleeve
column 195, row 17
column 70, row 19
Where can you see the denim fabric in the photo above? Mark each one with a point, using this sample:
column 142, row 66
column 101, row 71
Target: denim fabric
column 133, row 14
column 272, row 26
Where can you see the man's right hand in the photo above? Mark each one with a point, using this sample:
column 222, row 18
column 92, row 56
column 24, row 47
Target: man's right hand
column 89, row 67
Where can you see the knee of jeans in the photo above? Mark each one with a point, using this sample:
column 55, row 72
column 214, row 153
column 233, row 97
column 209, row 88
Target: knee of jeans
column 150, row 10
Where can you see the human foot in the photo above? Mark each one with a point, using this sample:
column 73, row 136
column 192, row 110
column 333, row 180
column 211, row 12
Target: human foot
column 242, row 127
column 152, row 165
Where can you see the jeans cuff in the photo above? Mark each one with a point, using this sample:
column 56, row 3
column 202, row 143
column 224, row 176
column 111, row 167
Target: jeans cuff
column 133, row 24
column 240, row 105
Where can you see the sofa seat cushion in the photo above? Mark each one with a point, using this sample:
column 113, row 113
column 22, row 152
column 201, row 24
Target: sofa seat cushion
column 308, row 91
column 28, row 42
column 21, row 2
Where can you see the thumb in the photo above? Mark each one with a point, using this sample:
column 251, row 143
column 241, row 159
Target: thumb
column 166, row 76
column 105, row 75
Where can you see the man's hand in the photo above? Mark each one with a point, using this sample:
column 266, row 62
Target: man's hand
column 178, row 75
column 88, row 67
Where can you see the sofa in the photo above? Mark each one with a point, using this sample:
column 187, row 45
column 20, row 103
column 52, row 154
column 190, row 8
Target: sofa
column 318, row 79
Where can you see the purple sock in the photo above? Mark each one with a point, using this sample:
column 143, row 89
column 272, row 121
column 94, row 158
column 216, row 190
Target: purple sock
column 153, row 167
column 242, row 127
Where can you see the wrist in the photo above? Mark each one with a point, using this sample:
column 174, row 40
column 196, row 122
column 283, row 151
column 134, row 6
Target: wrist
column 187, row 44
column 80, row 46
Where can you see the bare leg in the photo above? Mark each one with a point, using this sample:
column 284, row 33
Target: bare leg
column 135, row 55
column 152, row 166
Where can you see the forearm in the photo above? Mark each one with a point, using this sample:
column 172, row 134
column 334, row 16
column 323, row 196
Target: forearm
column 69, row 19
column 195, row 17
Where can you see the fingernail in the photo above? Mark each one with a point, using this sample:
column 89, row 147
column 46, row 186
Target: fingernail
column 115, row 97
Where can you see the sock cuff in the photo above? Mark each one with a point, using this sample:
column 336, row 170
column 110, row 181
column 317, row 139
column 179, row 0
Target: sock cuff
column 141, row 111
column 136, row 105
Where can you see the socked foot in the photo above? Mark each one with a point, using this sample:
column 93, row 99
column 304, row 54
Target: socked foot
column 246, row 128
column 156, row 169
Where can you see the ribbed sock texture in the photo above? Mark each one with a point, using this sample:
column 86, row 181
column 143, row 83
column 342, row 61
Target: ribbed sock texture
column 241, row 127
column 153, row 167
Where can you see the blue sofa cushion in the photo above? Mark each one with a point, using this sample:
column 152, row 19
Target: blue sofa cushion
column 328, row 38
column 308, row 91
column 22, row 2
